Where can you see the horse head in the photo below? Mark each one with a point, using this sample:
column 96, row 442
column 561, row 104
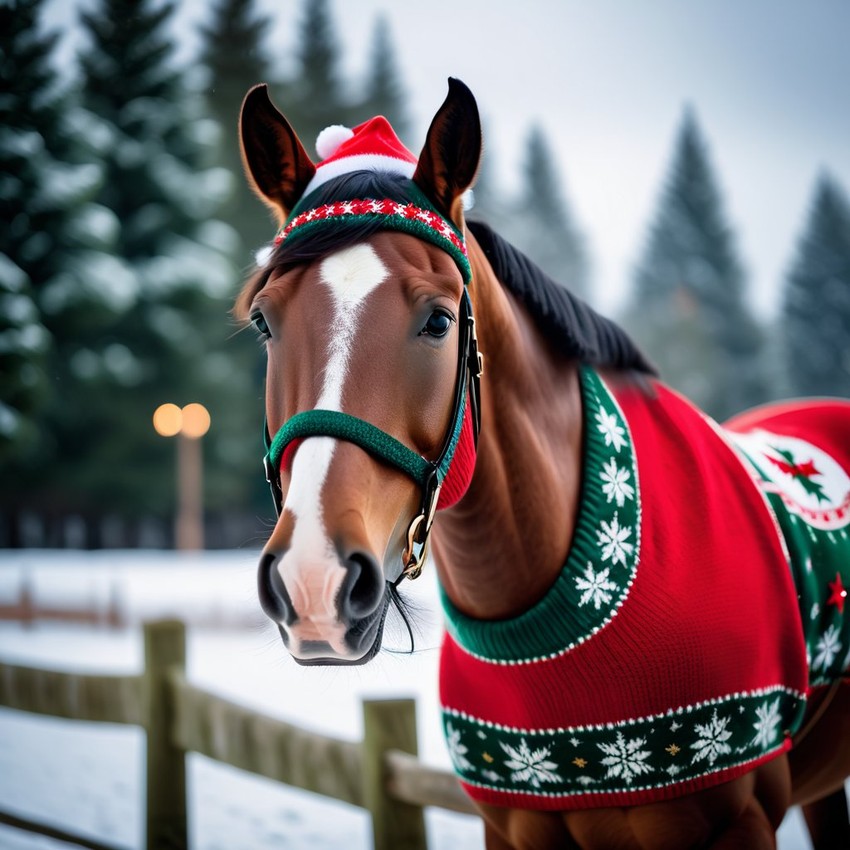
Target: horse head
column 371, row 388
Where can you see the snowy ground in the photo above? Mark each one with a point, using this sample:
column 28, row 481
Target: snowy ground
column 89, row 777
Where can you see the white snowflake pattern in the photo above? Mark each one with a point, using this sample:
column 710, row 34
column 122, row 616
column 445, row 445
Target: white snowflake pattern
column 613, row 432
column 613, row 540
column 530, row 765
column 674, row 726
column 491, row 775
column 625, row 759
column 765, row 726
column 616, row 486
column 595, row 587
column 457, row 750
column 827, row 648
column 815, row 611
column 712, row 739
column 585, row 780
column 673, row 769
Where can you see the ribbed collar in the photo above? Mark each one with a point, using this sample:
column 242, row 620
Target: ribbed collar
column 603, row 558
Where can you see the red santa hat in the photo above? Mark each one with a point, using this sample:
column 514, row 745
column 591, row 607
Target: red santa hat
column 370, row 146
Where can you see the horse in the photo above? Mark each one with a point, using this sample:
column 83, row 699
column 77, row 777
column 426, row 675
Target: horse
column 627, row 661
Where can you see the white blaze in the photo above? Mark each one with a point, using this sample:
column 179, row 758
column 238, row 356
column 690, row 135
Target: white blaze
column 310, row 569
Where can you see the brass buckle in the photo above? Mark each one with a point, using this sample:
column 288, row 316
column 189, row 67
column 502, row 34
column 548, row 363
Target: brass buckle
column 414, row 562
column 419, row 534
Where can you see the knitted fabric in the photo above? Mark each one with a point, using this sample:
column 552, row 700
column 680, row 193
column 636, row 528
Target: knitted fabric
column 799, row 454
column 669, row 655
column 455, row 472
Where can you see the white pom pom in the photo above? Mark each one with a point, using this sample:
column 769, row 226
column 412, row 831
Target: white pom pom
column 329, row 140
column 263, row 255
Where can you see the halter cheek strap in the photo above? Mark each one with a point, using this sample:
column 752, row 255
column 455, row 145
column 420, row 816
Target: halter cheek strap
column 430, row 475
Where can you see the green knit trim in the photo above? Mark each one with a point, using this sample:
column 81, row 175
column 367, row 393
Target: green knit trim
column 816, row 542
column 638, row 754
column 342, row 426
column 602, row 561
column 418, row 217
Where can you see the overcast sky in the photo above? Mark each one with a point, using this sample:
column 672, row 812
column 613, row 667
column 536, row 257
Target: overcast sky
column 608, row 80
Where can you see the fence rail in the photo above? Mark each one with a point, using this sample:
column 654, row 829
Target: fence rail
column 380, row 774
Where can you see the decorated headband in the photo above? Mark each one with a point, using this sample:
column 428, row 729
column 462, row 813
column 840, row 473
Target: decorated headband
column 372, row 146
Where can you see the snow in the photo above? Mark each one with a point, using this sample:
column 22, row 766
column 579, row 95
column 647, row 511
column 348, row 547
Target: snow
column 62, row 185
column 95, row 226
column 12, row 277
column 10, row 420
column 89, row 777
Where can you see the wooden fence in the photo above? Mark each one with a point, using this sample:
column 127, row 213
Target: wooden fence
column 381, row 774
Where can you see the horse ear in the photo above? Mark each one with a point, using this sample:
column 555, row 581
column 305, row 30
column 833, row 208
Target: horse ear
column 449, row 160
column 276, row 164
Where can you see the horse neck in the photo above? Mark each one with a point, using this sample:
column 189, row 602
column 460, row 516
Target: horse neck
column 501, row 547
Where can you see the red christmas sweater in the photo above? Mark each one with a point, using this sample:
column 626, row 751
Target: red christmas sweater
column 672, row 652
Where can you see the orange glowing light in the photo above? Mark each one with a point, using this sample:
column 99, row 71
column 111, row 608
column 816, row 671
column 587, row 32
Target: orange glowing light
column 167, row 420
column 196, row 421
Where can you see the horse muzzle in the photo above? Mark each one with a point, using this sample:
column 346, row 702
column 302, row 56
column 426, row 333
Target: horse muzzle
column 329, row 613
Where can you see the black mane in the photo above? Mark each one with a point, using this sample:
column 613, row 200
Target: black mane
column 573, row 327
column 570, row 325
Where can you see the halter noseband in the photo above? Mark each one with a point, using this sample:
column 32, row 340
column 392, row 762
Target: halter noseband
column 421, row 220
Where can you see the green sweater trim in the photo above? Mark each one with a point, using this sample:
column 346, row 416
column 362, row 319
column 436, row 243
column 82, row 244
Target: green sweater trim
column 602, row 562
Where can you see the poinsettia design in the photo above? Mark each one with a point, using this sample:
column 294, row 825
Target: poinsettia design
column 801, row 471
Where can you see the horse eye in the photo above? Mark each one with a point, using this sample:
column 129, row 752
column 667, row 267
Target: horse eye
column 259, row 323
column 438, row 324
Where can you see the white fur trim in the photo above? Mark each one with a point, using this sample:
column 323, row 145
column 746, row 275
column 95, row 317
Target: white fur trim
column 263, row 255
column 329, row 140
column 360, row 162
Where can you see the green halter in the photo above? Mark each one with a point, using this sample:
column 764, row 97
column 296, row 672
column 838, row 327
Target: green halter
column 428, row 474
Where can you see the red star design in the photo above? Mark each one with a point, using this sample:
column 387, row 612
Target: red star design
column 839, row 593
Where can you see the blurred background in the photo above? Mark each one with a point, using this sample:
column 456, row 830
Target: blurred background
column 682, row 166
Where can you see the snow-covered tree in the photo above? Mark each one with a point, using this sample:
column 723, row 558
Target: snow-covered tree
column 384, row 91
column 542, row 225
column 689, row 308
column 816, row 308
column 235, row 57
column 52, row 243
column 170, row 300
column 315, row 97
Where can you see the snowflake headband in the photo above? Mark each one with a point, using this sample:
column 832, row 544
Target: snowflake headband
column 418, row 219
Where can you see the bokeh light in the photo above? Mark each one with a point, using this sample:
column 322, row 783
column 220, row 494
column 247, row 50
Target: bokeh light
column 196, row 420
column 168, row 420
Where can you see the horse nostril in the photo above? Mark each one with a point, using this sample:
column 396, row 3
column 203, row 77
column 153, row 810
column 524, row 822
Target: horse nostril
column 274, row 599
column 363, row 588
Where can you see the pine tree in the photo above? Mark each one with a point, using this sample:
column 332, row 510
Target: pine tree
column 51, row 247
column 384, row 92
column 542, row 226
column 816, row 308
column 166, row 341
column 688, row 309
column 234, row 54
column 315, row 99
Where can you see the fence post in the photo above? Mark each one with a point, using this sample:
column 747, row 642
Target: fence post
column 166, row 823
column 390, row 725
